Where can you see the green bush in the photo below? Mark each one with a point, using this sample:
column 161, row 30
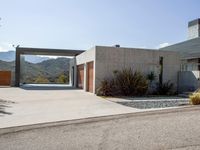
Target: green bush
column 62, row 79
column 41, row 79
column 130, row 83
column 195, row 98
column 164, row 88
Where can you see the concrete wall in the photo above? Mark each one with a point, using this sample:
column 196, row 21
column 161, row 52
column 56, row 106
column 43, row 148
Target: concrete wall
column 188, row 49
column 187, row 81
column 192, row 66
column 72, row 73
column 109, row 59
column 193, row 31
column 196, row 74
column 87, row 56
column 83, row 58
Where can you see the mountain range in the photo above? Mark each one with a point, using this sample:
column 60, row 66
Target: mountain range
column 50, row 69
column 10, row 56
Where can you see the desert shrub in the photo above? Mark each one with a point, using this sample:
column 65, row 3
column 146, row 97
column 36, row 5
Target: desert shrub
column 164, row 88
column 41, row 79
column 151, row 76
column 130, row 83
column 195, row 98
column 62, row 79
column 106, row 88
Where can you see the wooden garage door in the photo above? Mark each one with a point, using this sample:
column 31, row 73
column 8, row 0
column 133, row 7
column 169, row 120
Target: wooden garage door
column 90, row 74
column 5, row 78
column 80, row 76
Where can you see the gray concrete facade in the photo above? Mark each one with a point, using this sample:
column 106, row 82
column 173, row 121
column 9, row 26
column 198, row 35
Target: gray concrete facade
column 189, row 51
column 87, row 56
column 194, row 29
column 108, row 59
column 187, row 81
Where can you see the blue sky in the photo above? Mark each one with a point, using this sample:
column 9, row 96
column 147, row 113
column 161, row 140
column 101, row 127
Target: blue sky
column 81, row 24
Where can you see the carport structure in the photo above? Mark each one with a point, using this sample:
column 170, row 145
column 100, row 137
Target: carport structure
column 39, row 51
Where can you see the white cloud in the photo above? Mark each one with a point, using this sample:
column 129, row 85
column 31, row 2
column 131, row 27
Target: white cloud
column 5, row 46
column 162, row 45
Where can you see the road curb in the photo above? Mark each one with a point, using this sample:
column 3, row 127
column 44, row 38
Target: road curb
column 9, row 130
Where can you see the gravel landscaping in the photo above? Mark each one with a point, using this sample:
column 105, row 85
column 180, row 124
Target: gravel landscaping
column 147, row 103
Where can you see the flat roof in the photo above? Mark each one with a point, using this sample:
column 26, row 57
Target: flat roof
column 188, row 49
column 48, row 51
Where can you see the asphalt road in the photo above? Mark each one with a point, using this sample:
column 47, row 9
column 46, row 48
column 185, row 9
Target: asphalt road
column 176, row 130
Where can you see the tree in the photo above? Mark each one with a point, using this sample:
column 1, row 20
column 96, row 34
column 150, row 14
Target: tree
column 62, row 79
column 41, row 79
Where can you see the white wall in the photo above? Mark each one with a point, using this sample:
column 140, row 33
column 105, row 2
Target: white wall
column 84, row 58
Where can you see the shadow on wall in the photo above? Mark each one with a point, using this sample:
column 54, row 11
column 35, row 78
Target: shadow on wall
column 187, row 82
column 3, row 105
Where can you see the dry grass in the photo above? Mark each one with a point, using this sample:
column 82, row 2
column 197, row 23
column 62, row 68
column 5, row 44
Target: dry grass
column 195, row 98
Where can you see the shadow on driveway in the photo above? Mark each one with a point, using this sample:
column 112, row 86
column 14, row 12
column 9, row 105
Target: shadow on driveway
column 3, row 105
column 47, row 87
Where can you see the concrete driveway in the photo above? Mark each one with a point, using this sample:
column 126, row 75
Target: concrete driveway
column 39, row 105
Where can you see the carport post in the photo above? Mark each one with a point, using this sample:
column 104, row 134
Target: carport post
column 17, row 68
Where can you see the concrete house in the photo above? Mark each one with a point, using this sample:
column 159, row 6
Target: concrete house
column 89, row 68
column 178, row 63
column 189, row 51
column 92, row 66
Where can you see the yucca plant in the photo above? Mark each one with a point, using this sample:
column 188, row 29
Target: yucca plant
column 195, row 98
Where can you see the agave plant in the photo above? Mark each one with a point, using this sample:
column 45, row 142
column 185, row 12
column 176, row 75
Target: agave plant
column 165, row 88
column 151, row 76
